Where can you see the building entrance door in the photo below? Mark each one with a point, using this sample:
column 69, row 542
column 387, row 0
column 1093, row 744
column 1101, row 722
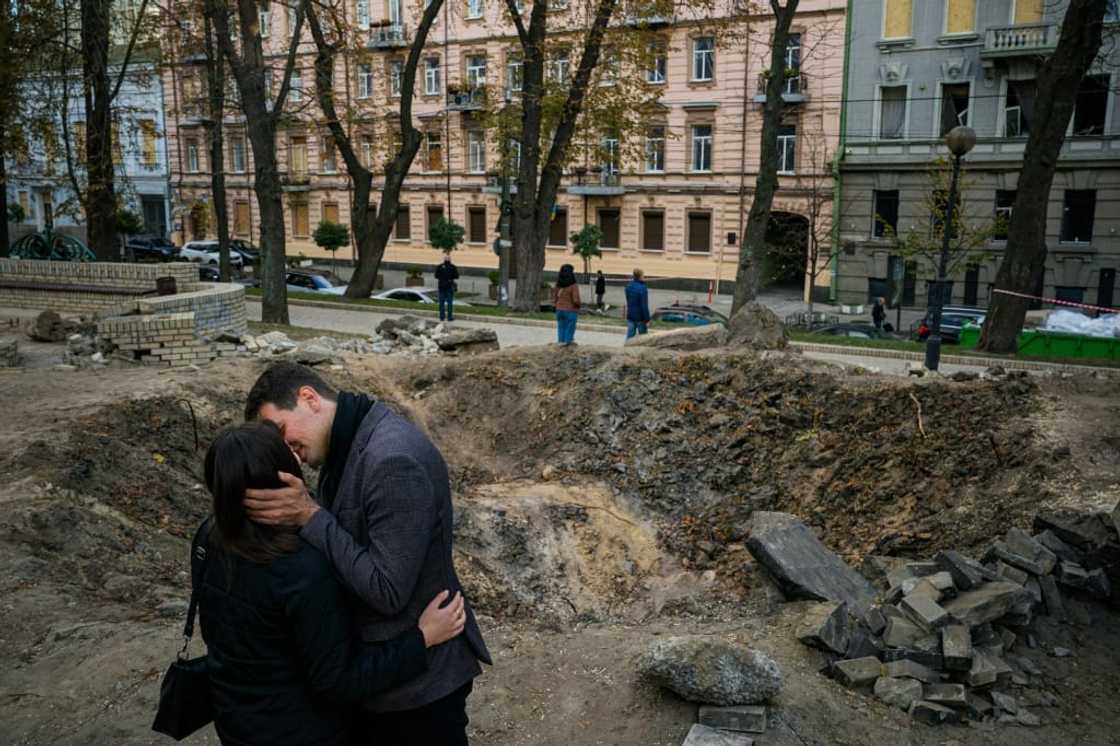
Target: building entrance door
column 155, row 214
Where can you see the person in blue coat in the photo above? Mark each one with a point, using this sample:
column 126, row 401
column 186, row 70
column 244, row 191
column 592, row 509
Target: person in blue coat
column 637, row 305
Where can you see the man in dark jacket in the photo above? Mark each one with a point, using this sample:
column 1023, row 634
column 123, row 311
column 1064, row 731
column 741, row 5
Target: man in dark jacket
column 384, row 520
column 637, row 305
column 600, row 289
column 446, row 275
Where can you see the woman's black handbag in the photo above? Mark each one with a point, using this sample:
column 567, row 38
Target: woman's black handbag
column 184, row 694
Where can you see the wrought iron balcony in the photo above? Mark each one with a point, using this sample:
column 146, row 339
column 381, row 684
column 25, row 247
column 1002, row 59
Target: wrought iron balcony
column 295, row 181
column 469, row 100
column 388, row 36
column 604, row 183
column 1025, row 40
column 795, row 88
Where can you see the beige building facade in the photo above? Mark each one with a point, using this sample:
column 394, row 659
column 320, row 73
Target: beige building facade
column 675, row 204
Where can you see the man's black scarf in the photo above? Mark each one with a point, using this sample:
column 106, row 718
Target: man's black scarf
column 348, row 416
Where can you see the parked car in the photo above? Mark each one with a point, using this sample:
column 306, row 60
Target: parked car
column 206, row 252
column 209, row 273
column 692, row 314
column 428, row 296
column 856, row 331
column 953, row 319
column 250, row 254
column 303, row 281
column 151, row 249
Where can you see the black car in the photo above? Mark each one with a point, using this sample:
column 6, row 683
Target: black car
column 250, row 254
column 856, row 331
column 953, row 319
column 209, row 273
column 691, row 314
column 151, row 249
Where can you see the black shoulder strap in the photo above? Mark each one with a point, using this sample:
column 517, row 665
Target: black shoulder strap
column 198, row 569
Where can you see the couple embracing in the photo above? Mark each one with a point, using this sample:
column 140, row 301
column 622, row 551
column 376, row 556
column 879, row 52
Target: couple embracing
column 341, row 620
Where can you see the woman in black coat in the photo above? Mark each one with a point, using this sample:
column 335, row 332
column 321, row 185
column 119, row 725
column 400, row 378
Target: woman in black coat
column 286, row 664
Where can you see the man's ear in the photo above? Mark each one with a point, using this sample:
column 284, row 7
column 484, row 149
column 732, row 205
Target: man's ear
column 311, row 398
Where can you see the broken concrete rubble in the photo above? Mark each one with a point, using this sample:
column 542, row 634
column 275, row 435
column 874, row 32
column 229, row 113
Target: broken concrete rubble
column 740, row 718
column 898, row 692
column 985, row 604
column 857, row 673
column 826, row 626
column 702, row 735
column 802, row 566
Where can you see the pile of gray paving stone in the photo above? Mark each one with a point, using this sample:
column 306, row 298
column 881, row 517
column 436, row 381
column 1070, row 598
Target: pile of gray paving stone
column 938, row 637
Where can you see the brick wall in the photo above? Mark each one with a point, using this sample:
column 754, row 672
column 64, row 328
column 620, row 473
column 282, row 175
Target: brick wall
column 162, row 340
column 84, row 287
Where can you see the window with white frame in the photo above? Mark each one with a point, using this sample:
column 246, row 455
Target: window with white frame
column 1019, row 109
column 793, row 64
column 395, row 12
column 292, row 21
column 892, row 112
column 658, row 63
column 476, row 71
column 954, row 106
column 515, row 72
column 514, row 155
column 474, row 8
column 609, row 151
column 787, row 149
column 476, row 151
column 560, row 65
column 237, row 152
column 295, row 90
column 432, row 83
column 396, row 73
column 611, row 68
column 265, row 21
column 557, row 4
column 365, row 80
column 365, row 147
column 655, row 149
column 703, row 58
column 702, row 147
column 328, row 154
column 192, row 157
column 363, row 14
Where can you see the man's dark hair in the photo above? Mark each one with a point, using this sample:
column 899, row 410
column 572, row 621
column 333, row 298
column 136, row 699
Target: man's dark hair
column 280, row 385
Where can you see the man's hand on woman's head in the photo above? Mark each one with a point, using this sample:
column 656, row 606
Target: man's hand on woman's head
column 290, row 505
column 439, row 625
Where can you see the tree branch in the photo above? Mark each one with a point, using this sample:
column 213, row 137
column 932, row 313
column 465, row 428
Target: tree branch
column 128, row 52
column 519, row 24
column 289, row 65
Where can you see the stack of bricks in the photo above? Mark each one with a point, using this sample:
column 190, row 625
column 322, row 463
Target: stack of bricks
column 84, row 287
column 164, row 340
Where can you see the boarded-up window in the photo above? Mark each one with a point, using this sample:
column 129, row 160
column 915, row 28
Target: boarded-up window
column 330, row 213
column 1028, row 11
column 960, row 17
column 897, row 24
column 435, row 151
column 609, row 224
column 700, row 232
column 300, row 224
column 558, row 228
column 118, row 157
column 653, row 230
column 148, row 142
column 242, row 217
column 297, row 157
column 403, row 229
column 477, row 223
column 435, row 214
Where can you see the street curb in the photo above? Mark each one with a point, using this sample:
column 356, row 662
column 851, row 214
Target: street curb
column 951, row 359
column 389, row 310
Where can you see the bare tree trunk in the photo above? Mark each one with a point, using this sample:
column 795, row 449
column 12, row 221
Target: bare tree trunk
column 5, row 241
column 101, row 199
column 371, row 231
column 1024, row 259
column 754, row 242
column 535, row 196
column 216, row 81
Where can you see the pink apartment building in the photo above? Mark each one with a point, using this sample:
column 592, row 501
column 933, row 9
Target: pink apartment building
column 676, row 208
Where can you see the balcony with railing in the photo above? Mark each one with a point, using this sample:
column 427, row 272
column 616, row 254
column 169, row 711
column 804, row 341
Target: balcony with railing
column 388, row 36
column 471, row 99
column 1025, row 40
column 295, row 180
column 795, row 88
column 599, row 182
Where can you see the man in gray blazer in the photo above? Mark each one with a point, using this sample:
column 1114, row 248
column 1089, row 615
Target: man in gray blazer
column 384, row 519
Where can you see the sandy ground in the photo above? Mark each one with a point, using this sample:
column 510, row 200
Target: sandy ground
column 88, row 567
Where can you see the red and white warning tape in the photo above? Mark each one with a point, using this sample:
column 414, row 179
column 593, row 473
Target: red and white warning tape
column 1056, row 302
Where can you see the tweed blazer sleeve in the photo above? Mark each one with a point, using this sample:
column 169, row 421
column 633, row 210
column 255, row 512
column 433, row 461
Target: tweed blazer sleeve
column 401, row 516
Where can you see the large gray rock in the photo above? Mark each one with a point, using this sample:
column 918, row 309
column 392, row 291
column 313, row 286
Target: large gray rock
column 50, row 327
column 711, row 671
column 757, row 326
column 987, row 603
column 685, row 340
column 313, row 354
column 468, row 341
column 900, row 693
column 826, row 626
column 392, row 327
column 803, row 567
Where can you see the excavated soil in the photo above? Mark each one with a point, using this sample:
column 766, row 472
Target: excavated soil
column 601, row 500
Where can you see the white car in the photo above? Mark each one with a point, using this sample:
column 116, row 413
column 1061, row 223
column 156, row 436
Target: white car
column 427, row 296
column 206, row 252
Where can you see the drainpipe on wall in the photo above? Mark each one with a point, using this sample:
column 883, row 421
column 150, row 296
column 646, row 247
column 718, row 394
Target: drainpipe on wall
column 838, row 190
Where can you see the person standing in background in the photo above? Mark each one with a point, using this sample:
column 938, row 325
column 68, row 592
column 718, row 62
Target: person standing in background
column 637, row 305
column 446, row 275
column 600, row 289
column 566, row 300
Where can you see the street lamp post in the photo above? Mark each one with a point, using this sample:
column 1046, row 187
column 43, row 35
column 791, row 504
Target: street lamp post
column 506, row 209
column 960, row 140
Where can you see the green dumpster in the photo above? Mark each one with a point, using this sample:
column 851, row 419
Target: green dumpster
column 1041, row 343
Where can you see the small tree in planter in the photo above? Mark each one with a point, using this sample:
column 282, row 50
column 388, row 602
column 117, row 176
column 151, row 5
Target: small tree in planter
column 331, row 237
column 495, row 278
column 586, row 244
column 446, row 235
column 414, row 276
column 128, row 224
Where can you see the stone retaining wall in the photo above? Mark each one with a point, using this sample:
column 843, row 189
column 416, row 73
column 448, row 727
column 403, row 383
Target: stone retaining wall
column 162, row 340
column 216, row 308
column 84, row 287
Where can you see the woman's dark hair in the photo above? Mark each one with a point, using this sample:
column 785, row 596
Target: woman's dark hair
column 240, row 458
column 566, row 277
